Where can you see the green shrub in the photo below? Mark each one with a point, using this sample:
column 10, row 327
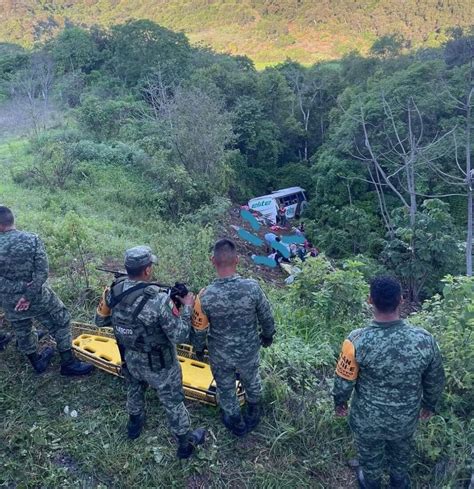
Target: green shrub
column 450, row 318
column 297, row 363
column 334, row 299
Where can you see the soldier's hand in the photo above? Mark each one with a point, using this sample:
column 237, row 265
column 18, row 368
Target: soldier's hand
column 187, row 300
column 426, row 414
column 342, row 410
column 266, row 341
column 22, row 305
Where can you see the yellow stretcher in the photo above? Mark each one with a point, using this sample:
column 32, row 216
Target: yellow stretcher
column 98, row 347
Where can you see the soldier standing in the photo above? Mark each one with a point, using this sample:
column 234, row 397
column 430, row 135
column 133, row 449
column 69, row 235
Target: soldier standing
column 25, row 295
column 228, row 313
column 147, row 326
column 397, row 376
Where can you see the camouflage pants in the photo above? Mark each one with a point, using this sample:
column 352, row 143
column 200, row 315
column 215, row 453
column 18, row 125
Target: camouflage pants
column 375, row 454
column 57, row 321
column 225, row 376
column 168, row 384
column 4, row 338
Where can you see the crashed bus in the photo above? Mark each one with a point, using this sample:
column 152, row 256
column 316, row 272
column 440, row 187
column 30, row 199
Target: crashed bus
column 293, row 199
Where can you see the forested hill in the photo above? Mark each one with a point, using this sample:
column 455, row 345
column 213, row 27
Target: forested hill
column 265, row 30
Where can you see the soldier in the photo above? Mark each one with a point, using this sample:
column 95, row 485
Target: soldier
column 25, row 295
column 147, row 326
column 396, row 370
column 228, row 312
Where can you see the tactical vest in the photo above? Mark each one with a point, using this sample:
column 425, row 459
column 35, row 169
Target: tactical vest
column 131, row 331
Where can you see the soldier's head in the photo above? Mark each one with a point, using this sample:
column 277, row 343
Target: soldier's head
column 224, row 257
column 139, row 263
column 385, row 295
column 7, row 219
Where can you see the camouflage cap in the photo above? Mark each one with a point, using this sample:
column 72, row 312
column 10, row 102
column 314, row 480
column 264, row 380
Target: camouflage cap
column 139, row 256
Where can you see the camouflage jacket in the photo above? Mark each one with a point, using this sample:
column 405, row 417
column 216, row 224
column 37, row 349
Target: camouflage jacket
column 159, row 314
column 393, row 369
column 23, row 273
column 235, row 308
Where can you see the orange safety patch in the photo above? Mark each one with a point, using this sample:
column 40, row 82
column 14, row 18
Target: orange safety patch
column 199, row 319
column 103, row 309
column 347, row 366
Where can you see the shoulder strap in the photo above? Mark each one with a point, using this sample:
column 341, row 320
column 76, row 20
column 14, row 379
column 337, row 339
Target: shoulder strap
column 141, row 305
column 116, row 299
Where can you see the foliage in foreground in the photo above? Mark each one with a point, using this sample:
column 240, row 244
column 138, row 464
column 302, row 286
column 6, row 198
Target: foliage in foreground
column 299, row 443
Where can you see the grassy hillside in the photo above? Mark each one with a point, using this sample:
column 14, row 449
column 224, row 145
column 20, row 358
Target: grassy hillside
column 266, row 31
column 299, row 444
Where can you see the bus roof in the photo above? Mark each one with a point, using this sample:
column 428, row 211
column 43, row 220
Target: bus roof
column 281, row 193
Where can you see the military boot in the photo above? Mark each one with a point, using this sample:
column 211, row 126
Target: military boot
column 188, row 442
column 366, row 483
column 71, row 366
column 5, row 338
column 41, row 360
column 400, row 482
column 252, row 415
column 135, row 425
column 235, row 424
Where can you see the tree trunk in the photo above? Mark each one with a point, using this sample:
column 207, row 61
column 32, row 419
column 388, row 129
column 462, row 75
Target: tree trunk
column 469, row 233
column 469, row 186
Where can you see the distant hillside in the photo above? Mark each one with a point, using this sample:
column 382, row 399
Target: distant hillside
column 265, row 30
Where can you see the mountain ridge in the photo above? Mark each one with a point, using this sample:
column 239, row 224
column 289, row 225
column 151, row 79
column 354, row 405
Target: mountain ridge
column 267, row 31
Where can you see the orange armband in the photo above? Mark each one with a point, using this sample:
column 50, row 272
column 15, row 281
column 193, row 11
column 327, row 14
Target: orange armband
column 199, row 320
column 347, row 366
column 103, row 310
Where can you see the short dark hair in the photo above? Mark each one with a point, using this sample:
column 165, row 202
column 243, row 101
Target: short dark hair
column 224, row 251
column 136, row 271
column 6, row 216
column 386, row 293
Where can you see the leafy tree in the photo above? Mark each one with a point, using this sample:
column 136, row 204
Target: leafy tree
column 257, row 137
column 74, row 50
column 105, row 119
column 138, row 48
column 33, row 85
column 314, row 95
column 12, row 59
column 459, row 49
column 199, row 134
column 388, row 46
column 438, row 250
column 277, row 101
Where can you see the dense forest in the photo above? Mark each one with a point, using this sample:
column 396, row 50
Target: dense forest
column 380, row 143
column 267, row 31
column 115, row 137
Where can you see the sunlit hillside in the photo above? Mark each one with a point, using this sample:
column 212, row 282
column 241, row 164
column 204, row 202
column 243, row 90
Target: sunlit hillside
column 266, row 31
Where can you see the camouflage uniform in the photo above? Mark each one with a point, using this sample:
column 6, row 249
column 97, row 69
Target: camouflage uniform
column 152, row 360
column 393, row 369
column 234, row 307
column 23, row 273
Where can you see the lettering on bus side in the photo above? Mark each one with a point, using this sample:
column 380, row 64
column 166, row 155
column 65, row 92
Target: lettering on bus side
column 261, row 203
